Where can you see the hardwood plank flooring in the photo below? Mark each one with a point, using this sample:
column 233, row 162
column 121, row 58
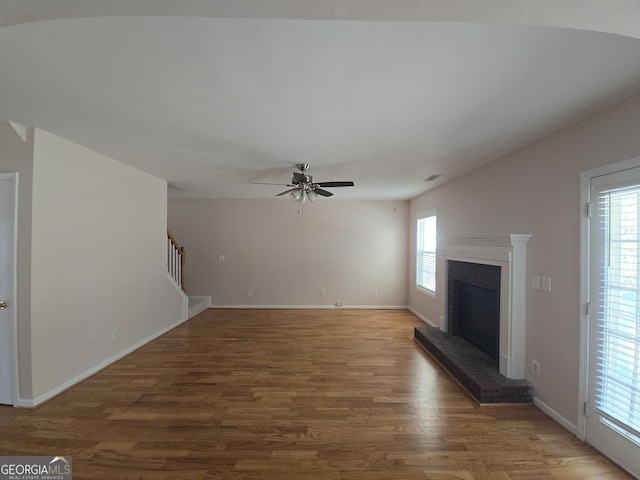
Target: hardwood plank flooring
column 292, row 394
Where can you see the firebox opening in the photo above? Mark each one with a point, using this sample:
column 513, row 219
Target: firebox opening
column 474, row 305
column 478, row 317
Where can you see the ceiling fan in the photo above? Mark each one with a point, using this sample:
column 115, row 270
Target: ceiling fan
column 304, row 188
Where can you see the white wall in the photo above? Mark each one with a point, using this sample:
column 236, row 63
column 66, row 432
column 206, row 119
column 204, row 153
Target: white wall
column 346, row 248
column 537, row 190
column 98, row 262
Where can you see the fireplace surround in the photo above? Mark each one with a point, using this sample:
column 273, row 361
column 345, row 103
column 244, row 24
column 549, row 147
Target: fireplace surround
column 509, row 253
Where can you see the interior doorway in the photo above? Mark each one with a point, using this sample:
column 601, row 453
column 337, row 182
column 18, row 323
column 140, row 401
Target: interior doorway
column 8, row 344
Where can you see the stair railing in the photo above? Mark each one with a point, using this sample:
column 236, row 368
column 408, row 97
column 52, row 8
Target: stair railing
column 176, row 257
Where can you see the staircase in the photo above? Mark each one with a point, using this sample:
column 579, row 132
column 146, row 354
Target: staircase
column 176, row 258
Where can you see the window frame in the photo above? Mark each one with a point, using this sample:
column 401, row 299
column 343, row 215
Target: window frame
column 619, row 325
column 419, row 242
column 592, row 426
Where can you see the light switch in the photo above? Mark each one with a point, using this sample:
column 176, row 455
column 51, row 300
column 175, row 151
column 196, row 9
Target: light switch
column 535, row 282
column 221, row 258
column 546, row 284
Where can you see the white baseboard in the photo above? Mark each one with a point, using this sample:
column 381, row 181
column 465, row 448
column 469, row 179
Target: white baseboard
column 562, row 421
column 31, row 403
column 421, row 317
column 185, row 300
column 314, row 307
column 198, row 305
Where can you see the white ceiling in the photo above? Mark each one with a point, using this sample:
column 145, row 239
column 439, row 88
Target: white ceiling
column 212, row 104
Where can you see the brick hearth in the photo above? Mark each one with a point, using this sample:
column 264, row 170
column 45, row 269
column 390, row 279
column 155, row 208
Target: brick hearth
column 476, row 371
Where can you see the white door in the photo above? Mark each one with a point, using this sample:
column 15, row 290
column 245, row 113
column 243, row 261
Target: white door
column 613, row 379
column 7, row 287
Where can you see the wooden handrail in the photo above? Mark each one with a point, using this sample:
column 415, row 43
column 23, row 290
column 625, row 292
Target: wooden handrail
column 176, row 258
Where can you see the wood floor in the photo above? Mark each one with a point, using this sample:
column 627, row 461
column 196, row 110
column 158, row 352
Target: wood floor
column 292, row 394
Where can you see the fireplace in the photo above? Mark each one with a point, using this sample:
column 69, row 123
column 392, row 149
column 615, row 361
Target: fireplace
column 491, row 263
column 482, row 325
column 474, row 304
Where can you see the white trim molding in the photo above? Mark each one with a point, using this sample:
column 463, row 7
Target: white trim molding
column 315, row 307
column 585, row 272
column 422, row 317
column 198, row 304
column 509, row 252
column 562, row 421
column 11, row 312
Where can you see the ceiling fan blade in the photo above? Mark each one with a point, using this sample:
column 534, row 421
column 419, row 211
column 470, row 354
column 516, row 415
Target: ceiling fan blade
column 286, row 191
column 322, row 192
column 267, row 183
column 336, row 184
column 299, row 178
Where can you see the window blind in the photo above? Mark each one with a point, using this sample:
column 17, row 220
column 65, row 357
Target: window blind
column 618, row 328
column 426, row 253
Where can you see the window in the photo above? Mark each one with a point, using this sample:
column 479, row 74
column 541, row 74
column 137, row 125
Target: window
column 618, row 374
column 610, row 323
column 426, row 253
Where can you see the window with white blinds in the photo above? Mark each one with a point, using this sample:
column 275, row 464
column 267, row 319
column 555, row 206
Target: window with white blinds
column 426, row 253
column 618, row 339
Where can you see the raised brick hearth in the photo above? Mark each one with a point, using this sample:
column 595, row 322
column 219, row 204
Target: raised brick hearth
column 476, row 371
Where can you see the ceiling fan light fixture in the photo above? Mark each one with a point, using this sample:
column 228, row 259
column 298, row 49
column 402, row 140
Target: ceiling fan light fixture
column 312, row 196
column 295, row 195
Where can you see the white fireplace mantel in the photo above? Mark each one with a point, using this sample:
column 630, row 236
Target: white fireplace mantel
column 509, row 252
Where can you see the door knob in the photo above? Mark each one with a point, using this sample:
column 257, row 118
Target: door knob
column 3, row 305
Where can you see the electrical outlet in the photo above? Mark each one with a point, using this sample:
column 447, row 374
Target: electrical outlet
column 249, row 293
column 323, row 293
column 375, row 293
column 114, row 333
column 535, row 367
